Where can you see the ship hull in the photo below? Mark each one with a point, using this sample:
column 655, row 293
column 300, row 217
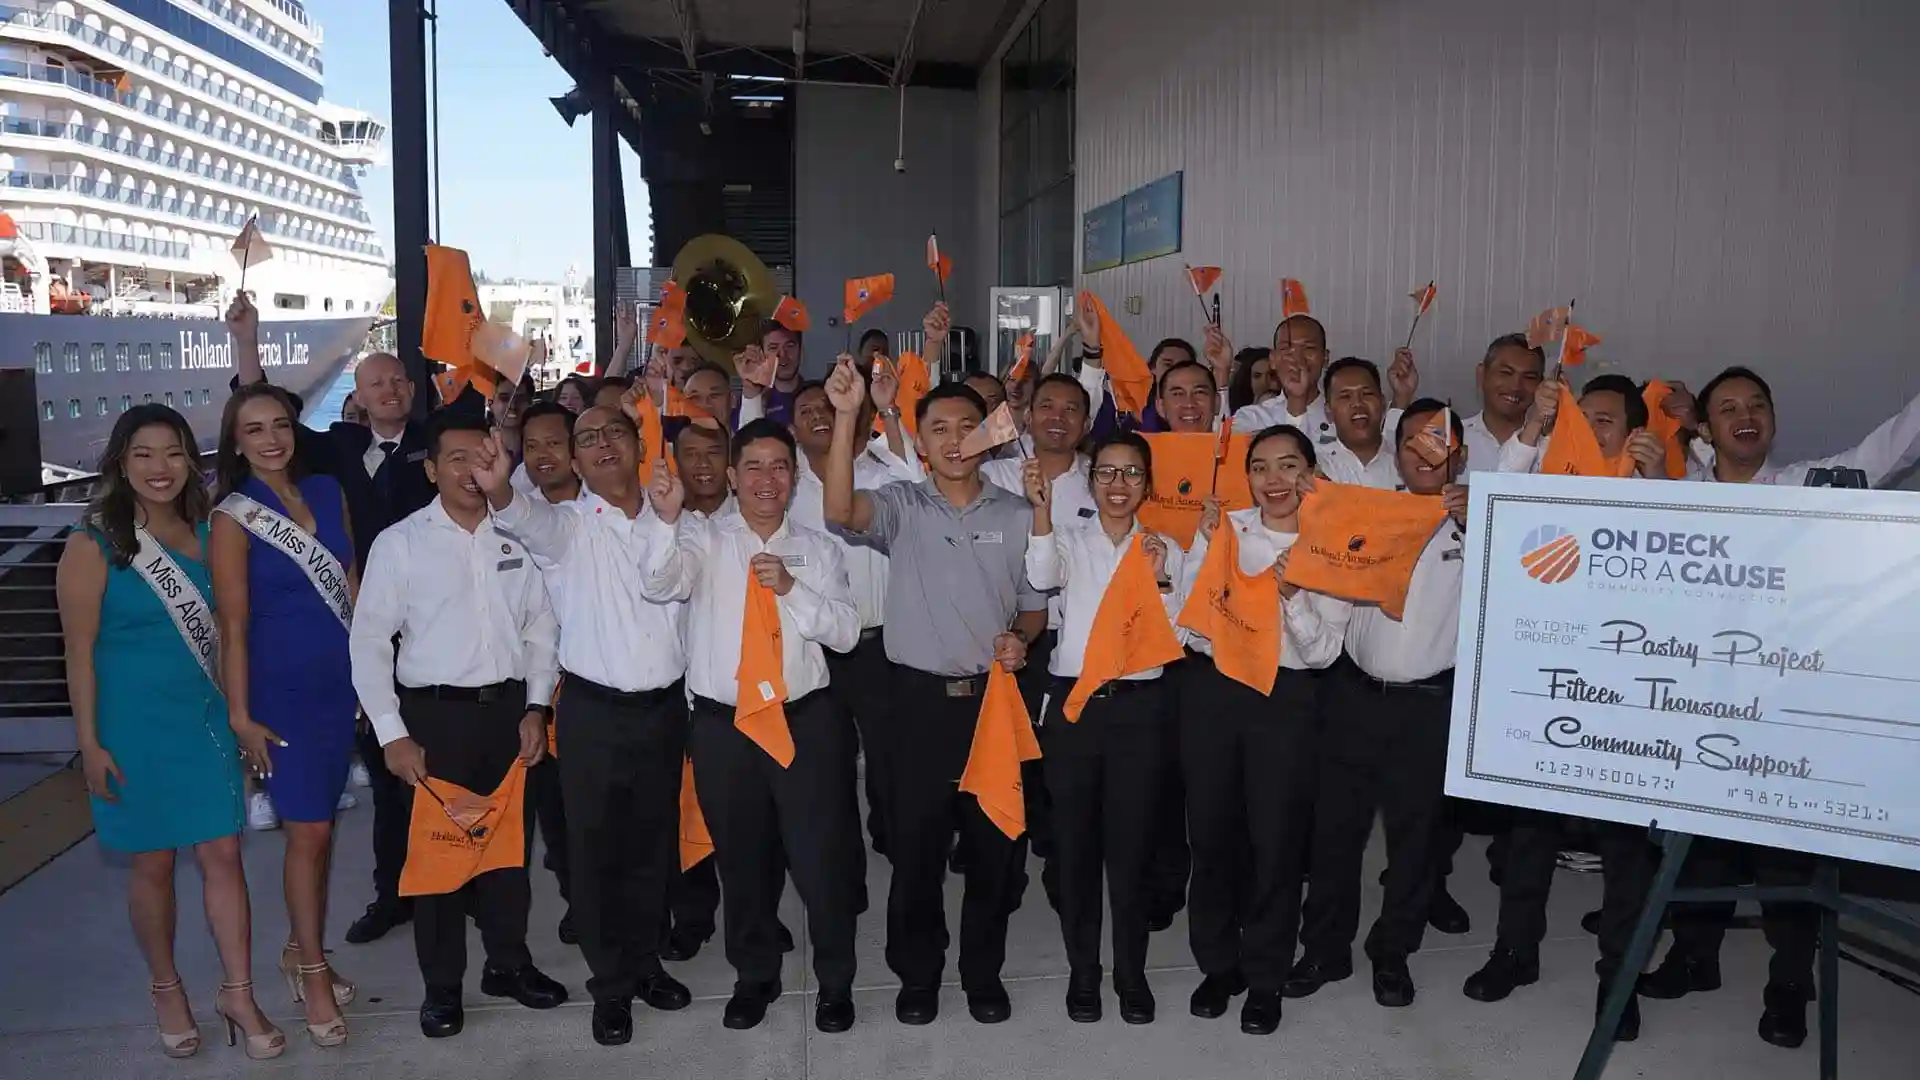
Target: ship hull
column 189, row 359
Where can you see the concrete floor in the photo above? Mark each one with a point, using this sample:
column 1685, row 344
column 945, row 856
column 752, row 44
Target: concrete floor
column 73, row 1005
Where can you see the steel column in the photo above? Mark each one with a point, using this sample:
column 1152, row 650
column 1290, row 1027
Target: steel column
column 408, row 136
column 609, row 213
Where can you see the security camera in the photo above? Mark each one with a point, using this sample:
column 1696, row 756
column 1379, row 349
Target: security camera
column 899, row 164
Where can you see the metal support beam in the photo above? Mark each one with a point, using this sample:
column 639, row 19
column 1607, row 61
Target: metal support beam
column 683, row 30
column 609, row 214
column 903, row 64
column 407, row 64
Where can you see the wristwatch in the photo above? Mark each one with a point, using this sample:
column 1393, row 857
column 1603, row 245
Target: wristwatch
column 890, row 413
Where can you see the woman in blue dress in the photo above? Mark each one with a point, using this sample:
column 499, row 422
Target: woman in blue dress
column 283, row 577
column 161, row 764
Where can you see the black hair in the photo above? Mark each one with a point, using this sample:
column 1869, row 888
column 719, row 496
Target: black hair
column 445, row 420
column 709, row 366
column 1350, row 363
column 1240, row 386
column 1183, row 366
column 1423, row 407
column 580, row 382
column 1636, row 404
column 995, row 379
column 947, row 391
column 1310, row 320
column 1193, row 354
column 873, row 333
column 680, row 430
column 1513, row 341
column 548, row 408
column 1130, row 439
column 754, row 431
column 809, row 384
column 115, row 507
column 1061, row 378
column 230, row 466
column 770, row 326
column 1737, row 371
column 621, row 418
column 623, row 381
column 1277, row 431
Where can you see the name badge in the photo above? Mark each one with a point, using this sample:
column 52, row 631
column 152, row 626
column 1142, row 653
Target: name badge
column 1086, row 511
column 416, row 457
column 791, row 561
column 1327, row 440
column 987, row 538
column 505, row 565
column 766, row 691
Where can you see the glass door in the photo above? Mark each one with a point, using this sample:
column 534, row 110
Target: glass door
column 1018, row 310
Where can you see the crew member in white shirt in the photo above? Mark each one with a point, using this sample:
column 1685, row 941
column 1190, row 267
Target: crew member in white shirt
column 1385, row 748
column 1250, row 757
column 1357, row 406
column 1103, row 769
column 1737, row 421
column 1616, row 413
column 1299, row 357
column 1507, row 378
column 464, row 696
column 765, row 817
column 621, row 732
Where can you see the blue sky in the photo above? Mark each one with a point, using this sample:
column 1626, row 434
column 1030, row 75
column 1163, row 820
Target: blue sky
column 515, row 182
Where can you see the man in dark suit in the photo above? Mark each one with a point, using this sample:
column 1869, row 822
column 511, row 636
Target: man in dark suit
column 380, row 466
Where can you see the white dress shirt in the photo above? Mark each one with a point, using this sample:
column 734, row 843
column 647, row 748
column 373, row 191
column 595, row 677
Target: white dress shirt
column 1313, row 627
column 1483, row 450
column 1315, row 422
column 1078, row 559
column 866, row 568
column 1889, row 449
column 375, row 455
column 1343, row 466
column 522, row 482
column 619, row 624
column 1072, row 493
column 1097, row 384
column 470, row 608
column 709, row 571
column 1420, row 645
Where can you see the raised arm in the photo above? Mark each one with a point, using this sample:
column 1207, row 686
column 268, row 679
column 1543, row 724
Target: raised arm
column 545, row 529
column 1046, row 554
column 1889, row 449
column 79, row 586
column 841, row 505
column 243, row 326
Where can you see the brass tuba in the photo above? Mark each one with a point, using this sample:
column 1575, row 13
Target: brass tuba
column 730, row 294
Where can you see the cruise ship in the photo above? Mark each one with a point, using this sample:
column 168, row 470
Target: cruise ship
column 137, row 139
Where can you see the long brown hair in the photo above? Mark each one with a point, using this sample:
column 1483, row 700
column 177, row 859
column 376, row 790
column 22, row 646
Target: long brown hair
column 115, row 508
column 229, row 464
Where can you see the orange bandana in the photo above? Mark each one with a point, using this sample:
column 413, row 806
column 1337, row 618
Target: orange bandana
column 1002, row 739
column 1362, row 544
column 1130, row 629
column 458, row 836
column 1184, row 471
column 1238, row 613
column 758, row 710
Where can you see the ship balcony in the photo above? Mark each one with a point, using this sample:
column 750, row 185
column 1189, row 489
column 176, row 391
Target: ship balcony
column 297, row 38
column 59, row 241
column 109, row 147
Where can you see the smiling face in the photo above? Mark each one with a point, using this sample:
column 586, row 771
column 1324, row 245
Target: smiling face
column 763, row 477
column 1119, row 480
column 1300, row 347
column 813, row 420
column 1507, row 381
column 157, row 466
column 701, row 456
column 1740, row 420
column 1274, row 471
column 547, row 451
column 263, row 433
column 571, row 397
column 1261, row 379
column 1355, row 405
column 606, row 449
column 1420, row 476
column 381, row 387
column 450, row 470
column 710, row 390
column 948, row 421
column 784, row 344
column 1059, row 419
column 1188, row 400
column 1606, row 413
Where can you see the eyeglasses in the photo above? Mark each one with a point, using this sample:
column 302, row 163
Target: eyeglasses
column 1134, row 475
column 587, row 438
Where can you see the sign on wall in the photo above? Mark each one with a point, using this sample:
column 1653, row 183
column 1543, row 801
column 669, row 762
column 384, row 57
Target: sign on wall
column 1726, row 660
column 1101, row 236
column 1142, row 224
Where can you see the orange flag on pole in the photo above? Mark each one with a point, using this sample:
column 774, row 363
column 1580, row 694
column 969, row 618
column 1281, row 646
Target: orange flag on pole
column 653, row 437
column 696, row 842
column 914, row 384
column 1666, row 427
column 1203, row 278
column 449, row 384
column 1022, row 358
column 864, row 294
column 1575, row 343
column 453, row 308
column 1239, row 614
column 1188, row 467
column 1361, row 543
column 759, row 709
column 455, row 835
column 1549, row 325
column 941, row 265
column 250, row 247
column 792, row 314
column 1434, row 441
column 1423, row 298
column 1293, row 298
column 1574, row 450
column 668, row 326
column 997, row 430
column 680, row 405
column 1131, row 632
column 1127, row 373
column 1002, row 739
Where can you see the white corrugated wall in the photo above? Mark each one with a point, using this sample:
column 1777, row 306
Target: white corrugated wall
column 1716, row 181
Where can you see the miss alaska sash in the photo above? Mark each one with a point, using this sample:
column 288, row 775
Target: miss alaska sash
column 192, row 616
column 329, row 578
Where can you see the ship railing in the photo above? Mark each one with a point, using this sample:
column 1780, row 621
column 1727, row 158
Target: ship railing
column 122, row 193
column 36, row 715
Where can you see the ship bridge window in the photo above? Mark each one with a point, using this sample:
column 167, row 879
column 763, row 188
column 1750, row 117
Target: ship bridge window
column 73, row 408
column 43, row 357
column 121, row 361
column 145, row 356
column 98, row 354
column 70, row 352
column 166, row 356
column 289, row 302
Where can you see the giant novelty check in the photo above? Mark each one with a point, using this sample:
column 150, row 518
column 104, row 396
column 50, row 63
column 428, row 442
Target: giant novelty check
column 1737, row 661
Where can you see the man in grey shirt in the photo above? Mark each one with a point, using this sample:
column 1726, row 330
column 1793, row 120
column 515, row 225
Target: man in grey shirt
column 957, row 601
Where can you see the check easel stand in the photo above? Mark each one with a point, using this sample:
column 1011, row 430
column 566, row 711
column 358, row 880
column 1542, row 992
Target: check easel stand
column 1823, row 892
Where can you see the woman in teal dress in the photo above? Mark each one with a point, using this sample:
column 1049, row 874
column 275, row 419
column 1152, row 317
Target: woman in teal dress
column 162, row 766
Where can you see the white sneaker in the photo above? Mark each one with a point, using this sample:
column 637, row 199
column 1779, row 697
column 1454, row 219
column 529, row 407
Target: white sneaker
column 357, row 773
column 261, row 816
column 347, row 801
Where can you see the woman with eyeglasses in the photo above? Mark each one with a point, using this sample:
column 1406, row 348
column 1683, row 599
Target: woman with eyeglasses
column 1103, row 753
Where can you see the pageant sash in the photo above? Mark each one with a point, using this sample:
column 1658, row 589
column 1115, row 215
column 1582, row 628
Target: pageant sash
column 192, row 615
column 328, row 577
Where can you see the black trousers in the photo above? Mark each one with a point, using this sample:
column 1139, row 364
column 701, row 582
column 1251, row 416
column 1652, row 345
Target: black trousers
column 1036, row 687
column 693, row 899
column 1103, row 775
column 937, row 717
column 1383, row 747
column 1250, row 763
column 549, row 809
column 620, row 760
column 471, row 738
column 1791, row 929
column 765, row 819
column 1170, row 862
column 1533, row 844
column 392, row 815
column 861, row 684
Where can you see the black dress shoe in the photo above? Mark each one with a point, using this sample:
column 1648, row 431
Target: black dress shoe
column 1629, row 1029
column 1590, row 922
column 917, row 1005
column 1210, row 998
column 833, row 1013
column 569, row 934
column 1680, row 975
column 1392, row 982
column 1784, row 1023
column 441, row 1016
column 1136, row 1001
column 748, row 1005
column 990, row 1004
column 1160, row 919
column 528, row 985
column 1083, row 997
column 1261, row 1014
column 664, row 992
column 683, row 944
column 1445, row 914
column 1504, row 970
column 613, row 1021
column 1309, row 975
column 380, row 917
column 784, row 936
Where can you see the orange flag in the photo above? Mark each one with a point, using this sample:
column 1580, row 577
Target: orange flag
column 696, row 843
column 1002, row 739
column 455, row 835
column 679, row 404
column 1022, row 358
column 1573, row 350
column 449, row 384
column 499, row 348
column 936, row 262
column 453, row 308
column 1238, row 613
column 914, row 384
column 1127, row 372
column 1203, row 279
column 668, row 326
column 792, row 314
column 759, row 372
column 866, row 293
column 1666, row 427
column 1574, row 450
column 997, row 430
column 1188, row 467
column 1549, row 325
column 1131, row 632
column 1293, row 298
column 759, row 709
column 250, row 247
column 1434, row 441
column 1361, row 543
column 1423, row 298
column 653, row 438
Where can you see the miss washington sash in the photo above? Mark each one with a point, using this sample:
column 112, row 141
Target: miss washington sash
column 181, row 597
column 329, row 578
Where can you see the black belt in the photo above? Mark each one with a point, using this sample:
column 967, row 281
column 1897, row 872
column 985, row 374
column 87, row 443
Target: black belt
column 1111, row 688
column 580, row 684
column 480, row 695
column 870, row 633
column 721, row 706
column 1439, row 683
column 956, row 686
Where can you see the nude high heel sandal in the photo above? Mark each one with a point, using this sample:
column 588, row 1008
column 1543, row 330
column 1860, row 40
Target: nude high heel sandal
column 265, row 1046
column 343, row 991
column 334, row 1031
column 186, row 1043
